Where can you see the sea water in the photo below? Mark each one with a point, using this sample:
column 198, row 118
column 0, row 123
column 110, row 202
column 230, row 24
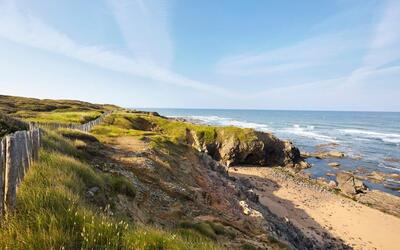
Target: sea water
column 370, row 140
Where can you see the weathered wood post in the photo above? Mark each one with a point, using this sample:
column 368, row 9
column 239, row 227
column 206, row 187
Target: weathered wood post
column 35, row 144
column 11, row 172
column 2, row 172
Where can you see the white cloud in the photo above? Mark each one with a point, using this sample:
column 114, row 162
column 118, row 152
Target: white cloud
column 145, row 27
column 362, row 87
column 385, row 41
column 18, row 25
column 313, row 52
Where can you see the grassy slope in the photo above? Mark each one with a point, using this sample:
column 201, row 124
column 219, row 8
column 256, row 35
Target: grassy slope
column 61, row 111
column 160, row 129
column 53, row 211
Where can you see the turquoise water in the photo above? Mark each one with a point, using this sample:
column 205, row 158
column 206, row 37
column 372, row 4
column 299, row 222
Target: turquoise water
column 370, row 139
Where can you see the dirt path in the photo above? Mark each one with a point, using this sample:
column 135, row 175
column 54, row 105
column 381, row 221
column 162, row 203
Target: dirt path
column 315, row 211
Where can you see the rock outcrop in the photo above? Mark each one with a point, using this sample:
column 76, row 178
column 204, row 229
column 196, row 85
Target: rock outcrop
column 349, row 185
column 260, row 148
column 323, row 155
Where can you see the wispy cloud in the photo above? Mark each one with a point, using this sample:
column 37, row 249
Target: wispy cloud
column 18, row 25
column 385, row 42
column 310, row 53
column 372, row 47
column 145, row 27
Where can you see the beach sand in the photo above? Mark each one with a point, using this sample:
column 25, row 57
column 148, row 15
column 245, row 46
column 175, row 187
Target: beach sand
column 318, row 212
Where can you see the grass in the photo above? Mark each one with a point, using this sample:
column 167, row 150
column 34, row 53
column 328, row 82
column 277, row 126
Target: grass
column 59, row 117
column 161, row 130
column 10, row 125
column 209, row 229
column 13, row 104
column 53, row 211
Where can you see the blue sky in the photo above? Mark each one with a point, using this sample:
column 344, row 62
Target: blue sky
column 307, row 55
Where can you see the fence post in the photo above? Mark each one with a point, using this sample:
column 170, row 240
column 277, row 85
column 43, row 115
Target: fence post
column 23, row 147
column 11, row 173
column 35, row 144
column 2, row 172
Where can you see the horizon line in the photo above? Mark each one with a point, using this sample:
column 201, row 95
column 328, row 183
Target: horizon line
column 258, row 109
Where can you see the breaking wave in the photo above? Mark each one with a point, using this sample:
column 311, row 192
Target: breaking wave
column 223, row 121
column 308, row 132
column 366, row 134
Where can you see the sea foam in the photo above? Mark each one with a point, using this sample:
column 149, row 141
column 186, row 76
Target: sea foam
column 386, row 137
column 224, row 121
column 308, row 131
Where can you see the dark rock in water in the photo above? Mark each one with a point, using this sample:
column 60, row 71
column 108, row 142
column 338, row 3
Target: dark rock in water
column 349, row 185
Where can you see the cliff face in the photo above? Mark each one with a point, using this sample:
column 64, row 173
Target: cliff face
column 258, row 148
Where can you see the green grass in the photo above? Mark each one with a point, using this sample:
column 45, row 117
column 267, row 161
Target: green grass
column 52, row 210
column 209, row 229
column 13, row 104
column 105, row 131
column 59, row 117
column 161, row 130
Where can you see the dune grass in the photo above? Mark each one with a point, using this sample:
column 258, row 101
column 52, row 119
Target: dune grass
column 53, row 211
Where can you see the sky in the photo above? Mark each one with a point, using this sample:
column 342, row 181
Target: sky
column 276, row 54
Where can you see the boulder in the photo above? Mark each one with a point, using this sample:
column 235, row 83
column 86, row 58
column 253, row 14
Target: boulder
column 334, row 164
column 349, row 185
column 376, row 177
column 323, row 155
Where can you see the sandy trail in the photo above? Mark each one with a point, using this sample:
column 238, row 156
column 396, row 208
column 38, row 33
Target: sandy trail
column 315, row 211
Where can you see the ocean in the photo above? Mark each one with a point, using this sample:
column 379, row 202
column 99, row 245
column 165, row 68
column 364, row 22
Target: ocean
column 371, row 140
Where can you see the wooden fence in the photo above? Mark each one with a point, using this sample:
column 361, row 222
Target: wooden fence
column 82, row 127
column 18, row 151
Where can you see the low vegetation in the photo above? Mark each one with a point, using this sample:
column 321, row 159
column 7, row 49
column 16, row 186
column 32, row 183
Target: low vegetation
column 14, row 104
column 161, row 130
column 59, row 117
column 10, row 125
column 54, row 211
column 49, row 111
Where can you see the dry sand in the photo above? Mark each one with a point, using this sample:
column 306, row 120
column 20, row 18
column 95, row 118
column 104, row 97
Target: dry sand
column 318, row 212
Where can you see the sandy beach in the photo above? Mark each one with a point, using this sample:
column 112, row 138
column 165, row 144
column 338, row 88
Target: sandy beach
column 319, row 212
